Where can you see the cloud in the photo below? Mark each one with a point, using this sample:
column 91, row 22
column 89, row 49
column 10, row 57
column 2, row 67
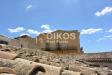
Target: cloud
column 47, row 31
column 46, row 27
column 24, row 34
column 110, row 30
column 29, row 7
column 90, row 31
column 102, row 38
column 32, row 31
column 105, row 11
column 107, row 37
column 15, row 30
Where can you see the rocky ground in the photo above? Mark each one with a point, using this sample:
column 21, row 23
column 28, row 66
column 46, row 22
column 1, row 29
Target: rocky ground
column 67, row 62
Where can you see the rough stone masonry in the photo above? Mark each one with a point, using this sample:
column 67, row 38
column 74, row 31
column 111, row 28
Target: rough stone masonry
column 59, row 41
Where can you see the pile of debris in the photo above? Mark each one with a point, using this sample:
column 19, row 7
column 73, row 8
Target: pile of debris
column 21, row 61
column 18, row 66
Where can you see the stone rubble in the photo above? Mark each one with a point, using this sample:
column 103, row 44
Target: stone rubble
column 52, row 63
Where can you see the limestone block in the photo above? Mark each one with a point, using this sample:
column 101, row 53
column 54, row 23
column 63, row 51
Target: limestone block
column 7, row 55
column 21, row 66
column 49, row 70
column 6, row 63
column 66, row 72
column 2, row 46
column 25, row 67
column 6, row 74
column 7, row 70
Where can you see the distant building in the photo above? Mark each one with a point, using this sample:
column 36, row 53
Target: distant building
column 4, row 40
column 24, row 42
column 60, row 41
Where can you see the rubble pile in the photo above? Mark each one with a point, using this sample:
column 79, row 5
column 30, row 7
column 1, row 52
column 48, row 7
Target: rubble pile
column 23, row 61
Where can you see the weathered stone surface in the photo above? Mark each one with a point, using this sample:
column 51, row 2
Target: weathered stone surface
column 49, row 70
column 26, row 67
column 74, row 63
column 57, row 45
column 83, row 70
column 7, row 70
column 60, row 45
column 6, row 74
column 2, row 46
column 4, row 39
column 7, row 55
column 66, row 72
column 24, row 42
column 21, row 66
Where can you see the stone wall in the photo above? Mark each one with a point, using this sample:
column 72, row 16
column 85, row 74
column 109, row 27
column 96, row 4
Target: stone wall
column 24, row 42
column 69, row 41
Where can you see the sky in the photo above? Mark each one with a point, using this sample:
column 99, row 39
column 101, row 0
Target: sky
column 92, row 18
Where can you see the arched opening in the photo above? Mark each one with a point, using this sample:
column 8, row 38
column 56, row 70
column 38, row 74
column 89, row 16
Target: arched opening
column 36, row 70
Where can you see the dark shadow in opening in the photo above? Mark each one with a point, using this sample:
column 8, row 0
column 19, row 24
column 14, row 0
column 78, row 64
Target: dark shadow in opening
column 36, row 70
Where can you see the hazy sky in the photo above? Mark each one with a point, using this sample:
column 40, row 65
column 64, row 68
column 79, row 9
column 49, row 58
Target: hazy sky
column 93, row 18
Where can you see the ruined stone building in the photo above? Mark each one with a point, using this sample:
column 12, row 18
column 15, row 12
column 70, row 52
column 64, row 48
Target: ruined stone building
column 4, row 40
column 24, row 42
column 60, row 41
